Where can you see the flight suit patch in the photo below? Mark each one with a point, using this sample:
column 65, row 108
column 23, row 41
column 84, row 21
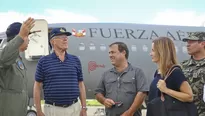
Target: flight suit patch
column 20, row 64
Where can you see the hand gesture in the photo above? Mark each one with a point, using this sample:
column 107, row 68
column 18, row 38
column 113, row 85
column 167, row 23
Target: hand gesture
column 26, row 27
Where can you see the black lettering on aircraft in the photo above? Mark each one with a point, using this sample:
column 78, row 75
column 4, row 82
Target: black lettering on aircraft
column 92, row 30
column 129, row 32
column 102, row 34
column 170, row 35
column 118, row 33
column 141, row 34
column 180, row 35
column 134, row 34
column 153, row 35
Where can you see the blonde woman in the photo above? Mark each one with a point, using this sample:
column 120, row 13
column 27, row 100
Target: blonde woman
column 164, row 55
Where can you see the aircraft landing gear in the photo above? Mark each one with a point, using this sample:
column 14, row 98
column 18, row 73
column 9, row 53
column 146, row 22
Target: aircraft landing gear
column 30, row 108
column 31, row 113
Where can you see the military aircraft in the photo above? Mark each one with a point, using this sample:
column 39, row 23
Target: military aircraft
column 90, row 42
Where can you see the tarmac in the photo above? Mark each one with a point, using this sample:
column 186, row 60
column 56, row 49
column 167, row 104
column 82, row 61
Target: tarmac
column 95, row 110
column 99, row 111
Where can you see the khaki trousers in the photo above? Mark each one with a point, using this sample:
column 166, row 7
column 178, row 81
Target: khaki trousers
column 73, row 110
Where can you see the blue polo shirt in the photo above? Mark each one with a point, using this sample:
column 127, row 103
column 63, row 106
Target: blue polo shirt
column 60, row 79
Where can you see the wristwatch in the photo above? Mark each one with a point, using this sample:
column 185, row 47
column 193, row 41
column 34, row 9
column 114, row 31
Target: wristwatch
column 84, row 107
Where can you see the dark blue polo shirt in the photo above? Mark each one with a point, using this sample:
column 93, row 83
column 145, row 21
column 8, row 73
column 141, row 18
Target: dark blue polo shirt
column 60, row 79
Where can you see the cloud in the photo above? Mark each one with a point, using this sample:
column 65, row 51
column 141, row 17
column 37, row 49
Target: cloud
column 52, row 16
column 182, row 18
column 166, row 17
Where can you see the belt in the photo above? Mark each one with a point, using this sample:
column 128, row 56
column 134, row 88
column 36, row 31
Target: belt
column 61, row 105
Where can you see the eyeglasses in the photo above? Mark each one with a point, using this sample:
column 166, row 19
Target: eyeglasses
column 60, row 37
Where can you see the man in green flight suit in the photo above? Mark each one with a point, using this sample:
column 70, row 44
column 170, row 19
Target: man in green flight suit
column 13, row 80
column 194, row 68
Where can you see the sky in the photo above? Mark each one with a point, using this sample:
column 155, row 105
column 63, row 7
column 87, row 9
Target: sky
column 163, row 12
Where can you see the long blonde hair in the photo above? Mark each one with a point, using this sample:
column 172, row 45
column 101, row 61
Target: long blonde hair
column 165, row 51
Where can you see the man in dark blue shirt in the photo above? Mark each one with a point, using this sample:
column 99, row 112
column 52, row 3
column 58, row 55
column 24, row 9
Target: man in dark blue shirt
column 61, row 75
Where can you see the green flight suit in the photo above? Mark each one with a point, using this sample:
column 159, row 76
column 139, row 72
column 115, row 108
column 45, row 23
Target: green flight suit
column 13, row 80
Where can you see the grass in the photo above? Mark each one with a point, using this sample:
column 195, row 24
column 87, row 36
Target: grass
column 93, row 102
column 89, row 102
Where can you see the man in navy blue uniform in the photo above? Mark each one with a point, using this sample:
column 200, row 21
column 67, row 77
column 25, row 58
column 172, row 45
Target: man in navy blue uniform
column 61, row 75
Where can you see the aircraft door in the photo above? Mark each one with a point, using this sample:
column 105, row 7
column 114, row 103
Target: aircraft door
column 38, row 44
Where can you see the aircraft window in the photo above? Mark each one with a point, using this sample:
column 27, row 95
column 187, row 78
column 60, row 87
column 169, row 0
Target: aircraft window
column 102, row 47
column 92, row 46
column 134, row 48
column 145, row 48
column 81, row 46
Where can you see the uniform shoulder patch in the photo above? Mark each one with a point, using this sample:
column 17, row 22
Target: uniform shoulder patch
column 20, row 64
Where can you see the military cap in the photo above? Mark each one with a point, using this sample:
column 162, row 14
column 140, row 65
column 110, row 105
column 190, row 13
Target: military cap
column 13, row 30
column 199, row 36
column 59, row 31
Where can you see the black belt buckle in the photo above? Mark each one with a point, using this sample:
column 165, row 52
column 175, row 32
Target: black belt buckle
column 117, row 104
column 65, row 106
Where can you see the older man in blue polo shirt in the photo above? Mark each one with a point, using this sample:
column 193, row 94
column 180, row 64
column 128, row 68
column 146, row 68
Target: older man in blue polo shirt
column 61, row 75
